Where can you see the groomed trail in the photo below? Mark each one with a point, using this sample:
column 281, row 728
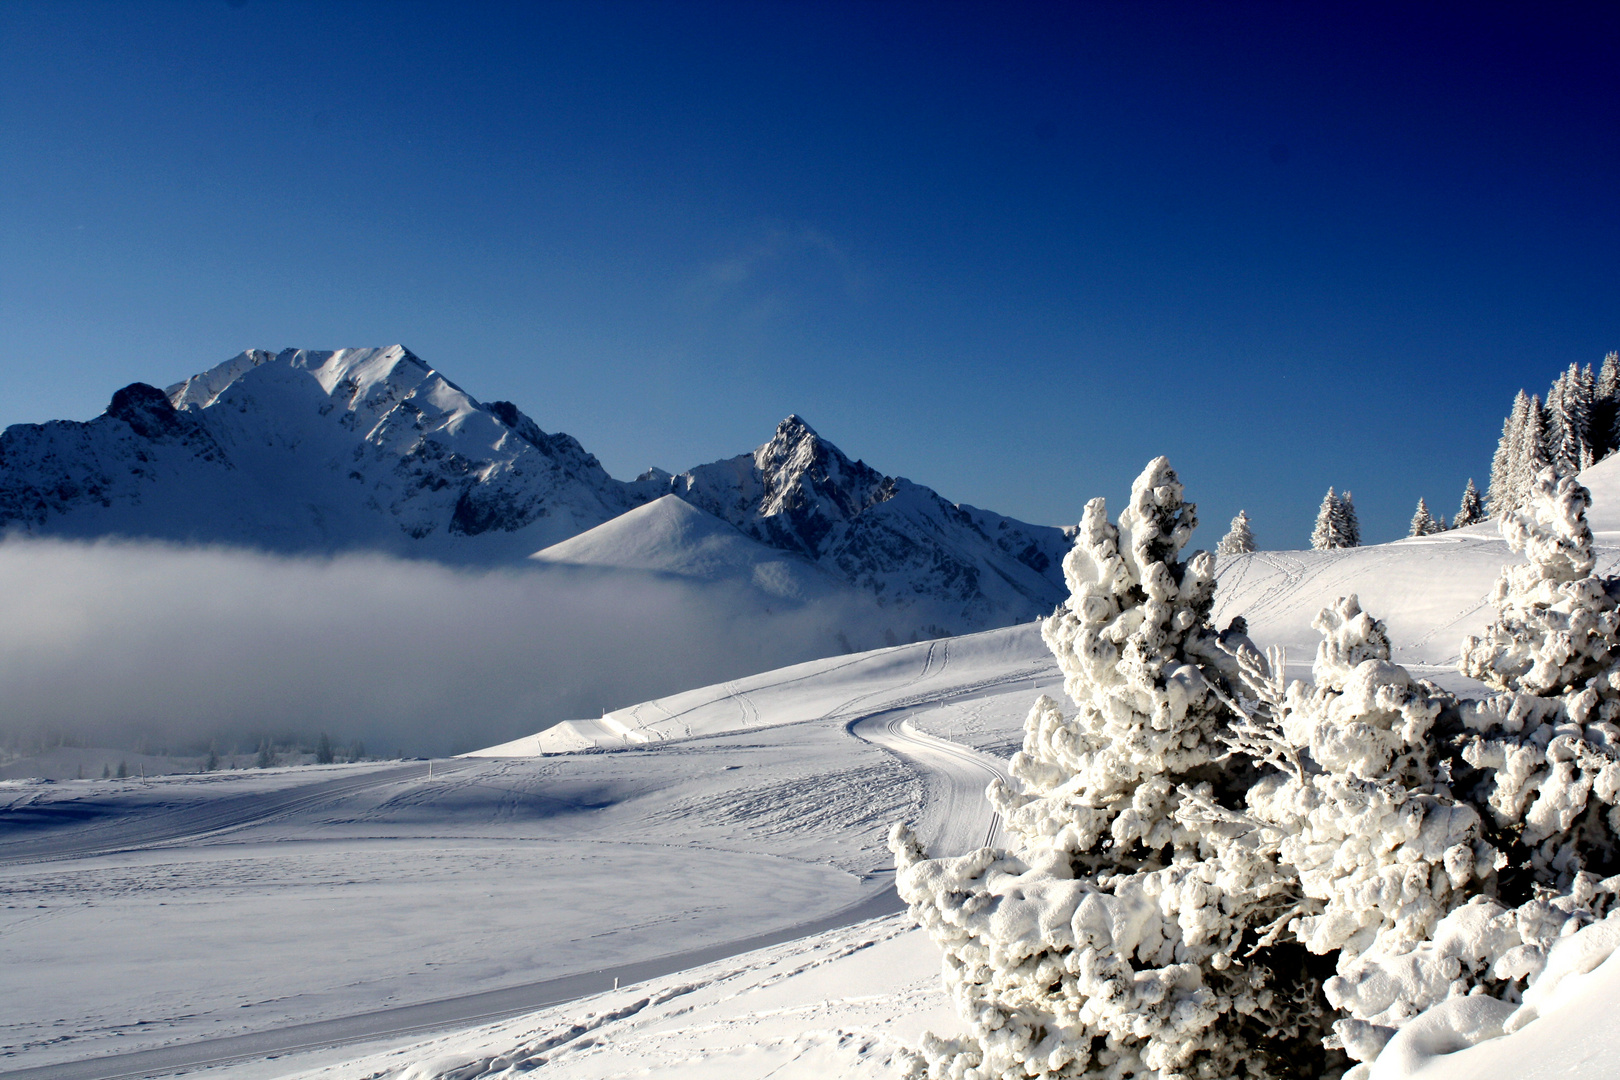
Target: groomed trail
column 70, row 829
column 955, row 818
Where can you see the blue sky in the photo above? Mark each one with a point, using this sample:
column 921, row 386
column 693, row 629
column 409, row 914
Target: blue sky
column 1011, row 252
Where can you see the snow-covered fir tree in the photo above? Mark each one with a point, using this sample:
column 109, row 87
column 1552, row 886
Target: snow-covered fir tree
column 1123, row 933
column 1348, row 528
column 1530, row 456
column 1423, row 522
column 1503, row 492
column 1569, row 415
column 1606, row 407
column 1217, row 874
column 1336, row 524
column 1239, row 539
column 1472, row 510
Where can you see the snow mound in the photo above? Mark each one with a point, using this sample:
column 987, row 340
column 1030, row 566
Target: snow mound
column 1430, row 591
column 829, row 689
column 670, row 535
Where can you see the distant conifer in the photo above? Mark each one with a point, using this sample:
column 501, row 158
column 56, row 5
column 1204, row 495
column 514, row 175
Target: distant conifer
column 1606, row 407
column 1472, row 510
column 1239, row 539
column 1503, row 492
column 1423, row 523
column 1336, row 525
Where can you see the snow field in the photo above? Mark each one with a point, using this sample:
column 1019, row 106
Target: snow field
column 845, row 1004
column 494, row 873
column 838, row 688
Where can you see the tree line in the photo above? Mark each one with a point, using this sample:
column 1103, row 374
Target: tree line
column 1575, row 425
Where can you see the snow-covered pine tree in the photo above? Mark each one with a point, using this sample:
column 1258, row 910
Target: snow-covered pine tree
column 1606, row 407
column 1502, row 493
column 1472, row 510
column 1569, row 413
column 1585, row 400
column 1239, row 539
column 1553, row 404
column 1325, row 536
column 1530, row 457
column 1423, row 523
column 1348, row 527
column 1124, row 933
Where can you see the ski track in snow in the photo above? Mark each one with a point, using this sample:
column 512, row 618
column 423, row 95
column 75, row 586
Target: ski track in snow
column 771, row 789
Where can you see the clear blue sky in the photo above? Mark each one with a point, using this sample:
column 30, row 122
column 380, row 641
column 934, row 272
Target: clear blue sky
column 1011, row 252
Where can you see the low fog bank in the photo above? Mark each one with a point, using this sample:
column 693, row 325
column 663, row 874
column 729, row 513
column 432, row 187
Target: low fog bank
column 171, row 648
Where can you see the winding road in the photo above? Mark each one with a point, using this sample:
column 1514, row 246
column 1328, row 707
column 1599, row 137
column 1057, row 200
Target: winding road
column 957, row 820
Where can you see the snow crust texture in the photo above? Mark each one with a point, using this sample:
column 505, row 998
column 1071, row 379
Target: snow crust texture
column 1215, row 872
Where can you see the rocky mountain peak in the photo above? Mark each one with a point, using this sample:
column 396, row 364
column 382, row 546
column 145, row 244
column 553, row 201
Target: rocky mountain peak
column 146, row 409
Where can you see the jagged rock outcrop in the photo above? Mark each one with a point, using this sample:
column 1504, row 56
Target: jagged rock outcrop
column 886, row 535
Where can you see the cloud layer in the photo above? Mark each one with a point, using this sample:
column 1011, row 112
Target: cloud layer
column 113, row 642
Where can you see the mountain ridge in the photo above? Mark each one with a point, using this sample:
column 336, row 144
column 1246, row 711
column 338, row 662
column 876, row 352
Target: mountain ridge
column 305, row 451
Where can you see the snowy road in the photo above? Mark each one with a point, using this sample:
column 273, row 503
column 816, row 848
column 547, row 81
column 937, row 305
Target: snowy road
column 959, row 819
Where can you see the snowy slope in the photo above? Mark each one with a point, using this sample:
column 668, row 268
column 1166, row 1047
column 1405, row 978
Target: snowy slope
column 835, row 689
column 1430, row 591
column 672, row 536
column 492, row 873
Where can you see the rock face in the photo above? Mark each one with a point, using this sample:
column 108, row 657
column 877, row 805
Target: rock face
column 306, row 451
column 887, row 536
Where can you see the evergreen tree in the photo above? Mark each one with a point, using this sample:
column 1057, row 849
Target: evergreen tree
column 1502, row 492
column 1324, row 536
column 1586, row 401
column 1349, row 529
column 213, row 758
column 1531, row 454
column 267, row 756
column 123, row 770
column 357, row 751
column 1606, row 407
column 1238, row 539
column 1569, row 414
column 106, row 772
column 1472, row 511
column 1423, row 523
column 1117, row 836
column 323, row 750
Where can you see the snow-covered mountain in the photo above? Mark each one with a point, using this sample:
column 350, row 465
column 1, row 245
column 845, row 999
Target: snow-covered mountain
column 309, row 451
column 306, row 451
column 897, row 540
